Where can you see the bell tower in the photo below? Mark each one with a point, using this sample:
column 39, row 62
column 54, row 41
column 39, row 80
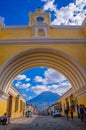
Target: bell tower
column 39, row 17
column 40, row 22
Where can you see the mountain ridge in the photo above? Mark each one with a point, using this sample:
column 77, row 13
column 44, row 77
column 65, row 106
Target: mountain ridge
column 44, row 100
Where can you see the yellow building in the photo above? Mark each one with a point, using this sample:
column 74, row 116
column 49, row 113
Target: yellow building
column 14, row 103
column 74, row 99
column 62, row 48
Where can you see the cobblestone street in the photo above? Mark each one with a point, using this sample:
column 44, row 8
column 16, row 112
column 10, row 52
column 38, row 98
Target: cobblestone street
column 44, row 123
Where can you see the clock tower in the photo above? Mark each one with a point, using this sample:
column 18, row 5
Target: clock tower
column 40, row 23
column 39, row 16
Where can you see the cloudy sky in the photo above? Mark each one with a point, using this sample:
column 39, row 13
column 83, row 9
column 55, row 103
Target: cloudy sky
column 63, row 12
column 36, row 80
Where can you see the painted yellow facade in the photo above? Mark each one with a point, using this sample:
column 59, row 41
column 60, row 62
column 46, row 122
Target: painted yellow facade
column 72, row 99
column 62, row 48
column 15, row 103
column 3, row 106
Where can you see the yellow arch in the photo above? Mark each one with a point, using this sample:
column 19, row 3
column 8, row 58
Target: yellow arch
column 57, row 60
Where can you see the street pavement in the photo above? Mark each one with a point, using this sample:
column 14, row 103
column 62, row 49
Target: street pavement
column 44, row 123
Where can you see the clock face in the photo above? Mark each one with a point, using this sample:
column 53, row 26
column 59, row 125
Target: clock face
column 39, row 19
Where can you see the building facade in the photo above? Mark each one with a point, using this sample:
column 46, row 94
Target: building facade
column 33, row 109
column 14, row 104
column 73, row 99
column 39, row 43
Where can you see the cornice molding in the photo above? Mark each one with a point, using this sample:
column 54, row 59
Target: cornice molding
column 80, row 92
column 3, row 95
column 16, row 27
column 66, row 26
column 51, row 26
column 43, row 40
column 66, row 95
column 13, row 90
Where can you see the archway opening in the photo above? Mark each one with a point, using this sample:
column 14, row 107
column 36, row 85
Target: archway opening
column 39, row 81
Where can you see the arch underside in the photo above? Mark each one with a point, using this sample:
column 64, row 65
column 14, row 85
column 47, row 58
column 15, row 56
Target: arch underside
column 42, row 57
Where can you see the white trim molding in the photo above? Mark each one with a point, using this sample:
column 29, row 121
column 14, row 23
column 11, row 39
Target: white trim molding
column 3, row 95
column 43, row 40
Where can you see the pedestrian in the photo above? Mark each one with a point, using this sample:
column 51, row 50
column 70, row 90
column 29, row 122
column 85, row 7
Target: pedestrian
column 78, row 111
column 71, row 112
column 85, row 113
column 67, row 113
column 81, row 112
column 8, row 117
column 5, row 118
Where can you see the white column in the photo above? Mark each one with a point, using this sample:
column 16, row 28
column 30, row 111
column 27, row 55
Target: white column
column 36, row 31
column 45, row 30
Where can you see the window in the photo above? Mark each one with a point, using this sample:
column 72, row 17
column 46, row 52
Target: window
column 39, row 19
column 16, row 104
column 41, row 32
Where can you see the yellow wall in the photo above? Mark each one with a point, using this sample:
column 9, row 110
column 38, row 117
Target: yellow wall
column 14, row 114
column 79, row 100
column 55, row 32
column 82, row 100
column 16, row 33
column 18, row 113
column 63, row 102
column 65, row 33
column 3, row 106
column 27, row 32
column 76, row 51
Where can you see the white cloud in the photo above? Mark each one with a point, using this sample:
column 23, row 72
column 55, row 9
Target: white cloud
column 72, row 14
column 27, row 89
column 24, row 95
column 18, row 84
column 50, row 76
column 21, row 77
column 53, row 81
column 22, row 86
column 53, row 76
column 50, row 5
column 27, row 79
column 60, row 89
column 39, row 89
column 38, row 79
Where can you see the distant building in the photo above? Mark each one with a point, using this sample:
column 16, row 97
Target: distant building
column 30, row 107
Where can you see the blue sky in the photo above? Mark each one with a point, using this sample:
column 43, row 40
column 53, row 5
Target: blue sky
column 36, row 80
column 68, row 12
column 63, row 12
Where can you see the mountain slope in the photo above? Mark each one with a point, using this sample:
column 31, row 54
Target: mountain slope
column 44, row 100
